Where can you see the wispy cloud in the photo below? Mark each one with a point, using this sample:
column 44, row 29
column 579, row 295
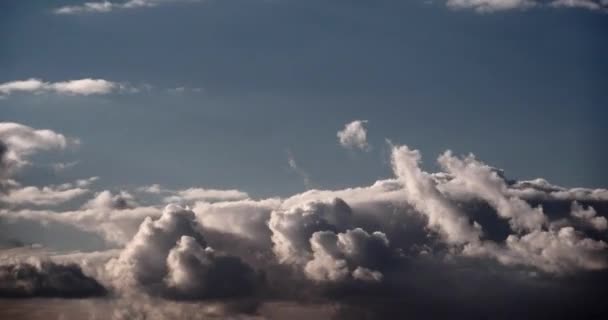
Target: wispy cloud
column 108, row 6
column 291, row 160
column 486, row 6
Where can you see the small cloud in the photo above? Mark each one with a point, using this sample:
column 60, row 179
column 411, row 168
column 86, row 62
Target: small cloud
column 79, row 87
column 294, row 165
column 354, row 136
column 488, row 6
column 108, row 6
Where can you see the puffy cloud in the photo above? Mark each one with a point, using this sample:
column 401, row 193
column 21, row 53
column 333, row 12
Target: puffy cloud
column 169, row 257
column 354, row 135
column 316, row 237
column 47, row 279
column 292, row 228
column 360, row 246
column 18, row 141
column 555, row 251
column 107, row 6
column 421, row 192
column 336, row 257
column 589, row 216
column 244, row 218
column 475, row 178
column 83, row 87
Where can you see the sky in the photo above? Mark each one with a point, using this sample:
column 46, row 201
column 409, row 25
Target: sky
column 151, row 147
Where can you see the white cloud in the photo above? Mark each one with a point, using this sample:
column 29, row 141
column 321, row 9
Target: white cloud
column 192, row 195
column 170, row 257
column 40, row 196
column 82, row 87
column 474, row 177
column 354, row 135
column 107, row 6
column 589, row 216
column 356, row 236
column 421, row 192
column 18, row 141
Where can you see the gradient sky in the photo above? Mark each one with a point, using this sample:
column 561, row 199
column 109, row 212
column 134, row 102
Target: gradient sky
column 525, row 90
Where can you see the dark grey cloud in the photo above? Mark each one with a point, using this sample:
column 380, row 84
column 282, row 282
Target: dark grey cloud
column 47, row 279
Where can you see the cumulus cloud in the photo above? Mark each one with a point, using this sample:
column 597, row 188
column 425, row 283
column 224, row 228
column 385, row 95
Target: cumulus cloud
column 362, row 247
column 421, row 192
column 337, row 257
column 486, row 6
column 354, row 135
column 589, row 216
column 47, row 279
column 107, row 6
column 17, row 142
column 169, row 257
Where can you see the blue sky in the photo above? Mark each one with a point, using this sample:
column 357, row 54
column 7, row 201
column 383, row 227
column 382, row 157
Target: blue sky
column 158, row 159
column 523, row 89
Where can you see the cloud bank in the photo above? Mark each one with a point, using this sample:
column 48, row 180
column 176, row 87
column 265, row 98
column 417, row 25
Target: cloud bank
column 465, row 239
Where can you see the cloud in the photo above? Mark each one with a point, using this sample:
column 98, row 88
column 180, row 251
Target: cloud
column 47, row 279
column 354, row 136
column 192, row 195
column 337, row 257
column 589, row 216
column 80, row 87
column 108, row 6
column 15, row 194
column 169, row 257
column 291, row 160
column 491, row 5
column 487, row 6
column 415, row 239
column 209, row 195
column 18, row 142
column 421, row 192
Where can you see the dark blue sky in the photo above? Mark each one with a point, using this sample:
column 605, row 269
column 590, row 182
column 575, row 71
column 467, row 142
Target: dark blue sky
column 525, row 90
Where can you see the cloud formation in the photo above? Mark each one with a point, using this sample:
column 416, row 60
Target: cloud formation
column 79, row 87
column 486, row 6
column 108, row 6
column 47, row 279
column 18, row 142
column 169, row 257
column 354, row 136
column 467, row 226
